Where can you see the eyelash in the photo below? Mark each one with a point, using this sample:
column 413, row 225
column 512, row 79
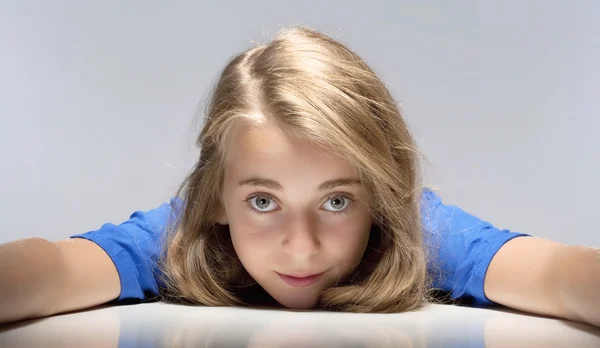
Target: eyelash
column 266, row 195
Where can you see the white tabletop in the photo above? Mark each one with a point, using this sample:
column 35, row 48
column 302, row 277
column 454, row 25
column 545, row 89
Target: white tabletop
column 166, row 325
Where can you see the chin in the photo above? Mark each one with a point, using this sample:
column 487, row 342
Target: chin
column 300, row 305
column 297, row 302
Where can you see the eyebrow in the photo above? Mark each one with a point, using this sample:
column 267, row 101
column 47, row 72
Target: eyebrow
column 274, row 185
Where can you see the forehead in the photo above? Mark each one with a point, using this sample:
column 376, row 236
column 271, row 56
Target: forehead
column 267, row 149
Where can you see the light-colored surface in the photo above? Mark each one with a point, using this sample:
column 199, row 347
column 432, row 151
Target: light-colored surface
column 97, row 100
column 165, row 325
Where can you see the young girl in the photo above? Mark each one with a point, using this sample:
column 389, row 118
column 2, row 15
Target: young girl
column 306, row 194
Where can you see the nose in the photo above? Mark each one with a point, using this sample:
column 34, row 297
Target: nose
column 301, row 240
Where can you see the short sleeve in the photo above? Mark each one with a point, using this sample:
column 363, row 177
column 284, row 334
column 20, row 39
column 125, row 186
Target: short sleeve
column 133, row 246
column 461, row 247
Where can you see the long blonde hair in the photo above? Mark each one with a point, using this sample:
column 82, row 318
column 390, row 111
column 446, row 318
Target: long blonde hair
column 321, row 91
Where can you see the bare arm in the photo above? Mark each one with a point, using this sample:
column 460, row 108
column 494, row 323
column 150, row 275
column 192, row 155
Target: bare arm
column 40, row 278
column 548, row 278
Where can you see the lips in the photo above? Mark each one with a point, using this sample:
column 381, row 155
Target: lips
column 300, row 281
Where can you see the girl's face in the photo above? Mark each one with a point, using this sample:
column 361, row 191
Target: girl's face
column 292, row 210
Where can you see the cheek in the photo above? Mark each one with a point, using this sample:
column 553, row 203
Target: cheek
column 347, row 242
column 253, row 243
column 346, row 239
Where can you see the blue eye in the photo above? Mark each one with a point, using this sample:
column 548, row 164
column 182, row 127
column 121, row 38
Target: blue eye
column 341, row 202
column 259, row 204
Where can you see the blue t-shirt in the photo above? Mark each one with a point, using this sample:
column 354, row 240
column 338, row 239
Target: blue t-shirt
column 460, row 245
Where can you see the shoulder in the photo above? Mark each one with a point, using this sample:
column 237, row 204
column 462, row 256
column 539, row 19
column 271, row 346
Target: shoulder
column 134, row 246
column 445, row 219
column 158, row 219
column 460, row 247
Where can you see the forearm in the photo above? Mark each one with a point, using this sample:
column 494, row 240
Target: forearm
column 578, row 283
column 30, row 279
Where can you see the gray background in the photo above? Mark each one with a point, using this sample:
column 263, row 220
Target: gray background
column 98, row 101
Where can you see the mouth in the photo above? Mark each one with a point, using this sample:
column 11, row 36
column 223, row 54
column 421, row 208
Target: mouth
column 301, row 281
